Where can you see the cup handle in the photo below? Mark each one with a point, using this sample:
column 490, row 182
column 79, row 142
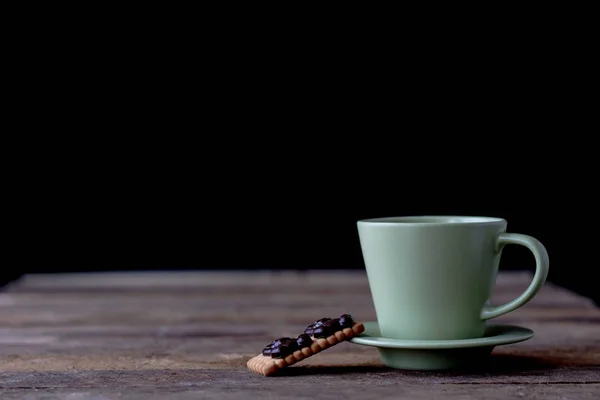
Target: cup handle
column 541, row 272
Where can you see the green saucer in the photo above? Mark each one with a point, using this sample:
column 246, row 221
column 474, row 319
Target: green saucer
column 439, row 354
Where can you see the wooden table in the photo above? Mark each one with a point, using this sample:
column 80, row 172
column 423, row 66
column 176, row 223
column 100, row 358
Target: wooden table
column 188, row 335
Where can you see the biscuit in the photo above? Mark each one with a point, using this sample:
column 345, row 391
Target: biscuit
column 267, row 366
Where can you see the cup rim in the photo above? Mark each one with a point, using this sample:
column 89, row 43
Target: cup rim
column 432, row 220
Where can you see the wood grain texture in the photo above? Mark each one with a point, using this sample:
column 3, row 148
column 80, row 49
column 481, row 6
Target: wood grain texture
column 190, row 334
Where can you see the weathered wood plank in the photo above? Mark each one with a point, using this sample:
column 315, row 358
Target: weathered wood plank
column 191, row 331
column 310, row 377
column 225, row 391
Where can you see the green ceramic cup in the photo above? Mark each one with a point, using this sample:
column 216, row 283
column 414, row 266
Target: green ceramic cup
column 431, row 277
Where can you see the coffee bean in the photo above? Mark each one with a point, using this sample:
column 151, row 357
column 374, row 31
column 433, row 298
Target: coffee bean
column 288, row 347
column 304, row 340
column 346, row 321
column 273, row 349
column 311, row 328
column 328, row 328
column 267, row 350
column 276, row 352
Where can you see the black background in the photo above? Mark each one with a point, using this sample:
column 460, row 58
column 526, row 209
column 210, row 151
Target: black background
column 292, row 209
column 301, row 221
column 246, row 153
